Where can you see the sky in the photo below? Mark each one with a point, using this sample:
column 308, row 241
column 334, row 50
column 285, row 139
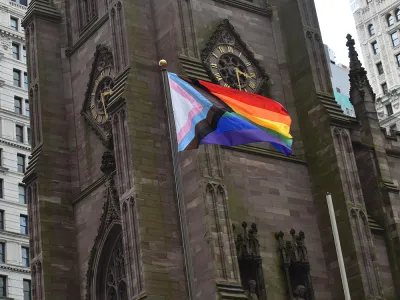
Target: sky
column 336, row 21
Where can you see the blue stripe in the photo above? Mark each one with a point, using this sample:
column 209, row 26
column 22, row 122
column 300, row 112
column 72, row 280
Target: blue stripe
column 199, row 117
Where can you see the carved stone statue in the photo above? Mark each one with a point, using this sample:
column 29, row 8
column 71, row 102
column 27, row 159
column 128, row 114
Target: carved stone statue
column 251, row 293
column 300, row 293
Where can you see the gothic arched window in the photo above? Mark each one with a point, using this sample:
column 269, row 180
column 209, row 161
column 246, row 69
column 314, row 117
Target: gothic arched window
column 115, row 274
column 371, row 30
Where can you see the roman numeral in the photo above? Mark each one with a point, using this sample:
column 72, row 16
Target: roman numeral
column 252, row 75
column 92, row 106
column 240, row 54
column 221, row 49
column 215, row 55
column 214, row 66
column 93, row 94
column 252, row 85
column 230, row 49
column 102, row 74
column 218, row 76
column 99, row 118
column 96, row 82
column 245, row 90
column 95, row 115
column 248, row 64
column 227, row 85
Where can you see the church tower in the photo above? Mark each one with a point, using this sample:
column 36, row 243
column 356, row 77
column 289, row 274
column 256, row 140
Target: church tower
column 104, row 218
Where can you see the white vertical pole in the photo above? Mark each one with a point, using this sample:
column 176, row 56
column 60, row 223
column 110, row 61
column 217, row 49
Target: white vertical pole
column 338, row 247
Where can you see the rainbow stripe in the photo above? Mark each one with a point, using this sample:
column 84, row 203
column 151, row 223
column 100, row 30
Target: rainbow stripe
column 206, row 113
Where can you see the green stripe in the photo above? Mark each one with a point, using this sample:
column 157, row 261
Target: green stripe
column 287, row 141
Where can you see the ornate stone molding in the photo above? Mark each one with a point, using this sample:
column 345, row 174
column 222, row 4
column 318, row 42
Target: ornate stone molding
column 267, row 11
column 102, row 58
column 357, row 74
column 225, row 33
column 110, row 215
column 42, row 9
column 296, row 265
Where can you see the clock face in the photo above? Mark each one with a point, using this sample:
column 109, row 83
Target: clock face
column 101, row 93
column 231, row 68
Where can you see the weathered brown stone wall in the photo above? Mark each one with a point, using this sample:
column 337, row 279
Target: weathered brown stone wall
column 277, row 196
column 384, row 266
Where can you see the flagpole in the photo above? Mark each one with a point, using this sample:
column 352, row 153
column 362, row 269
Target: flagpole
column 178, row 181
column 338, row 247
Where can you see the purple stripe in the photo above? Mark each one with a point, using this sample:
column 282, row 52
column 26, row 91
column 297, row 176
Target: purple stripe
column 239, row 137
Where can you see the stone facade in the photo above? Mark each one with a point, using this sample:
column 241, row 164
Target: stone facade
column 106, row 222
column 14, row 141
column 378, row 23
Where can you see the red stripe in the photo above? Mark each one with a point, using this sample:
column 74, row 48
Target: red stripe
column 247, row 98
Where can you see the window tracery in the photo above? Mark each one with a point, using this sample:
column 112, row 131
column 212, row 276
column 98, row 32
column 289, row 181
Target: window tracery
column 115, row 286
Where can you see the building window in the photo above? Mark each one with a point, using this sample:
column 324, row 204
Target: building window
column 28, row 135
column 15, row 50
column 371, row 30
column 27, row 290
column 398, row 14
column 22, row 194
column 26, row 80
column 375, row 47
column 25, row 256
column 1, row 219
column 27, row 108
column 23, row 224
column 384, row 88
column 389, row 109
column 1, row 157
column 395, row 39
column 17, row 105
column 2, row 253
column 17, row 77
column 22, row 2
column 19, row 133
column 393, row 127
column 3, row 286
column 390, row 20
column 379, row 66
column 21, row 163
column 14, row 23
column 1, row 188
column 24, row 54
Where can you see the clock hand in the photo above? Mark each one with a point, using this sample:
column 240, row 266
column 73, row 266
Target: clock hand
column 104, row 105
column 238, row 79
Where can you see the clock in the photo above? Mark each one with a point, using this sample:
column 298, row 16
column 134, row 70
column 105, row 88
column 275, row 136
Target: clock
column 232, row 68
column 100, row 94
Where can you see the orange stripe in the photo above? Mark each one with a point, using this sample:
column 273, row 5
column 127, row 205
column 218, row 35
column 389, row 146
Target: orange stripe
column 240, row 107
column 281, row 128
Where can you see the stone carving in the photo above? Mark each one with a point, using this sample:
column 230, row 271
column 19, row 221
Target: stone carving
column 251, row 292
column 107, row 163
column 300, row 292
column 225, row 34
column 357, row 74
column 102, row 58
column 296, row 265
column 111, row 214
column 5, row 42
column 250, row 262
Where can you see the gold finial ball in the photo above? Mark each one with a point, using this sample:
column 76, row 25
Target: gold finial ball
column 163, row 63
